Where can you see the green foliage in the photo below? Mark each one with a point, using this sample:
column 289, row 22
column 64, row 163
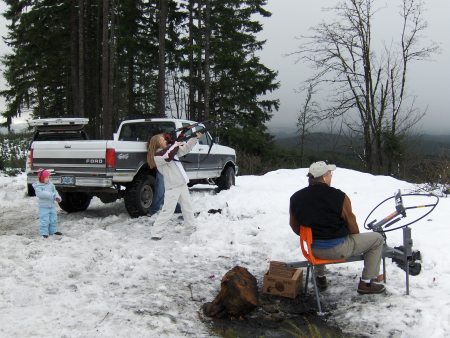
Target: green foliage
column 12, row 172
column 248, row 139
column 393, row 146
column 137, row 58
column 420, row 159
column 313, row 331
column 38, row 67
column 239, row 78
column 275, row 158
column 434, row 174
column 13, row 150
column 45, row 72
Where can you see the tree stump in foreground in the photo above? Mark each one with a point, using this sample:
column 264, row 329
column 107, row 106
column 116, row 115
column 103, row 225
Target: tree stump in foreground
column 238, row 295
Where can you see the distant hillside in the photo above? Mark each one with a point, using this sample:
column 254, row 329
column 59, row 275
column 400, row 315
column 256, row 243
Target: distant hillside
column 314, row 142
column 431, row 144
column 322, row 142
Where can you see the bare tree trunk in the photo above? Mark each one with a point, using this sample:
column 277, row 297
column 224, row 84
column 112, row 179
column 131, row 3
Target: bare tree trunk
column 40, row 95
column 413, row 26
column 302, row 145
column 96, row 70
column 130, row 86
column 207, row 51
column 363, row 80
column 379, row 151
column 368, row 148
column 81, row 77
column 190, row 113
column 176, row 95
column 198, row 107
column 306, row 118
column 161, row 93
column 169, row 97
column 92, row 42
column 111, row 65
column 74, row 58
column 107, row 116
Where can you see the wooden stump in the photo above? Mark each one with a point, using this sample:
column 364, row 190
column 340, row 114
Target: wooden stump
column 238, row 295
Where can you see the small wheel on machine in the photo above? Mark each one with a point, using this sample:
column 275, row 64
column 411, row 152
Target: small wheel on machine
column 415, row 268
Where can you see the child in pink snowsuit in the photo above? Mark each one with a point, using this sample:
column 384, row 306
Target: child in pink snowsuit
column 48, row 195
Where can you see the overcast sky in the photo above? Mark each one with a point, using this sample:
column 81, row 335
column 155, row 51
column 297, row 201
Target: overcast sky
column 428, row 80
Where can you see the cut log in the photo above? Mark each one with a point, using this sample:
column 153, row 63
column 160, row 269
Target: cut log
column 238, row 295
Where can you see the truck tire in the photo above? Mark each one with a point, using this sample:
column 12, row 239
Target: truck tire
column 227, row 179
column 30, row 190
column 139, row 195
column 75, row 201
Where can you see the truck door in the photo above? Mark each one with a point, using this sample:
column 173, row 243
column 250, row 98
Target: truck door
column 209, row 164
column 190, row 160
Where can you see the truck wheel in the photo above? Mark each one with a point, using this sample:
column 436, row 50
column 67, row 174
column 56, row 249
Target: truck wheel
column 227, row 179
column 75, row 201
column 30, row 190
column 139, row 195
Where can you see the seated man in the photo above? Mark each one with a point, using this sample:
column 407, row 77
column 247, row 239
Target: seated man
column 328, row 212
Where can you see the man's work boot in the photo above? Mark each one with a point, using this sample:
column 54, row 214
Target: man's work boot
column 379, row 278
column 369, row 288
column 321, row 282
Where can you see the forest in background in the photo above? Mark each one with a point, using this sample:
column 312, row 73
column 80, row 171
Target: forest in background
column 427, row 157
column 423, row 159
column 111, row 60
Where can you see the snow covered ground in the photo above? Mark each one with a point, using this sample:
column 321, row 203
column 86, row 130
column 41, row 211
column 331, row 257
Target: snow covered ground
column 106, row 277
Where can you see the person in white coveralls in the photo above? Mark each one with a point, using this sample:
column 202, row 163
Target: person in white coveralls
column 166, row 159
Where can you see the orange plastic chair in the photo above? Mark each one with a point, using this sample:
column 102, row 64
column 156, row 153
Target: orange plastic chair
column 306, row 239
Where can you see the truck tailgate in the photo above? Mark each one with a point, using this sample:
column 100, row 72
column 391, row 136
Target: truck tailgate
column 70, row 156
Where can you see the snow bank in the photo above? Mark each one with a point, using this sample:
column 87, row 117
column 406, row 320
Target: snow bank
column 106, row 277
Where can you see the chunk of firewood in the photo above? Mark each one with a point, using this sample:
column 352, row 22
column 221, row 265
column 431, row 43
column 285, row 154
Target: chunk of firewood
column 238, row 295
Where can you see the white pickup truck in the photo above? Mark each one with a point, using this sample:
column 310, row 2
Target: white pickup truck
column 112, row 169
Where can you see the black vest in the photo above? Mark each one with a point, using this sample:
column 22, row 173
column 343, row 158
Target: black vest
column 319, row 206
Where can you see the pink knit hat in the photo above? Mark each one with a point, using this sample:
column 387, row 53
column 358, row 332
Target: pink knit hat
column 42, row 175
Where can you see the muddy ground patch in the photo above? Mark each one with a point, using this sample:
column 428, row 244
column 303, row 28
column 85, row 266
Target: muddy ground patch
column 281, row 318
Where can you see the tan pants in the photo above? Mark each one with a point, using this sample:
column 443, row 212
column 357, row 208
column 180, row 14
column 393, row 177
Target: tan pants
column 171, row 197
column 370, row 244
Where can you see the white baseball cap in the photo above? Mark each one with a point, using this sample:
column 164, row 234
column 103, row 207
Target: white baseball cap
column 320, row 168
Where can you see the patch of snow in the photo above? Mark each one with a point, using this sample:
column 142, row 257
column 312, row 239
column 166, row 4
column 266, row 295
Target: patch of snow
column 106, row 277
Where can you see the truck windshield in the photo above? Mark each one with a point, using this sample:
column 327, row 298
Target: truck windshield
column 142, row 131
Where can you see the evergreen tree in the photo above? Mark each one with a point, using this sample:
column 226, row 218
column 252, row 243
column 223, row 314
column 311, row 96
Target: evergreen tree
column 91, row 58
column 239, row 79
column 224, row 32
column 37, row 71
